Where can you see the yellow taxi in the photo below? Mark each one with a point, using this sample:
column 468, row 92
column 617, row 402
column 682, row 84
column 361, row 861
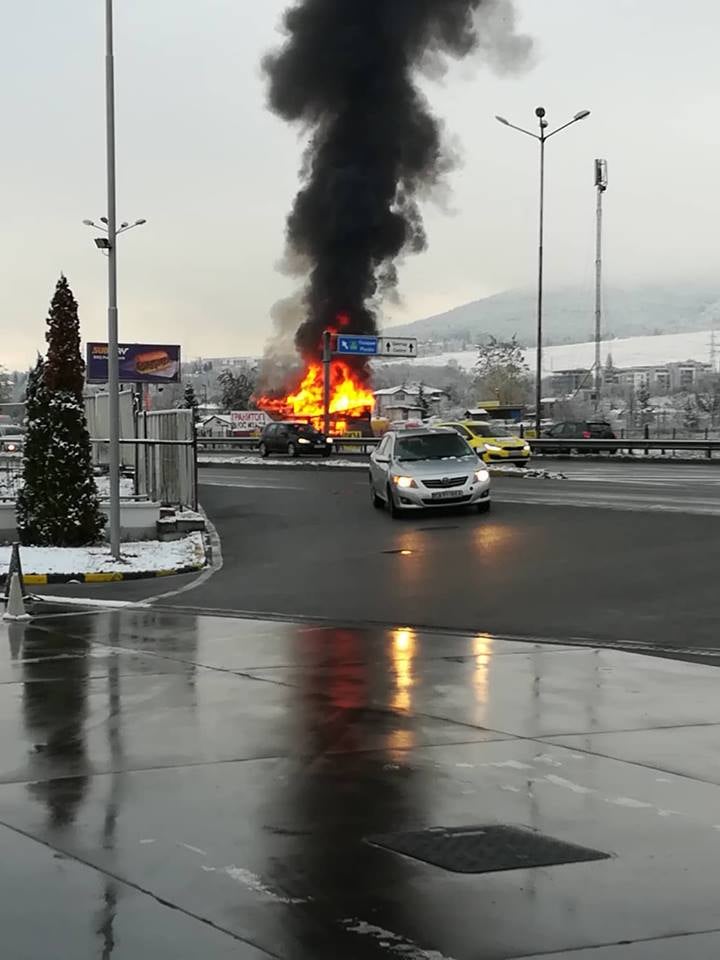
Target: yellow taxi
column 492, row 441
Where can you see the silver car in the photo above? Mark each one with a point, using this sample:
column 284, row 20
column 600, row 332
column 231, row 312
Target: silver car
column 433, row 467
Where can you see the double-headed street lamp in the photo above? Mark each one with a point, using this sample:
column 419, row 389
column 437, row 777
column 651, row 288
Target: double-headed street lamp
column 541, row 137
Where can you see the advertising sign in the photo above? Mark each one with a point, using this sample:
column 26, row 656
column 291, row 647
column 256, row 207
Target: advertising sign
column 139, row 363
column 249, row 421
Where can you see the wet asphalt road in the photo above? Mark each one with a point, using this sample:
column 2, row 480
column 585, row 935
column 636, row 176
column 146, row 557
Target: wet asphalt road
column 630, row 562
column 178, row 787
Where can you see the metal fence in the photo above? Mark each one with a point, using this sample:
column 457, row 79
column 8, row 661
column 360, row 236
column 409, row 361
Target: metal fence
column 11, row 466
column 166, row 457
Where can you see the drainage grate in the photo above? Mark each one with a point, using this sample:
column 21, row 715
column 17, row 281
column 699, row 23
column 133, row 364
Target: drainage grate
column 485, row 849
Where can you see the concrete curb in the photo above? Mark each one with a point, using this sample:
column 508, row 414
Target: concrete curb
column 53, row 579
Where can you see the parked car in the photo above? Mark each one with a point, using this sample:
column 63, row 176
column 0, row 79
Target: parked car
column 12, row 439
column 294, row 439
column 431, row 467
column 579, row 430
column 492, row 441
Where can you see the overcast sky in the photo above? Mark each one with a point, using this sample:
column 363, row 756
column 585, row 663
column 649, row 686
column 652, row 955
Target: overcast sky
column 214, row 173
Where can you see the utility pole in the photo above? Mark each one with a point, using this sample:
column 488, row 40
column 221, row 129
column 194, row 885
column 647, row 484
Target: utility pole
column 327, row 364
column 601, row 184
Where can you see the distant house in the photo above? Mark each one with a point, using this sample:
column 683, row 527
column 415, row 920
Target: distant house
column 669, row 378
column 216, row 425
column 403, row 402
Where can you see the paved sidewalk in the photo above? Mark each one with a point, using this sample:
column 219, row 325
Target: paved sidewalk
column 177, row 787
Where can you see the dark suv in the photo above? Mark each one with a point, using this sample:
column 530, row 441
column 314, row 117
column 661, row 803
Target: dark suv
column 294, row 439
column 579, row 430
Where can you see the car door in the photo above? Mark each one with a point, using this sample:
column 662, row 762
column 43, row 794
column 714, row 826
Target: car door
column 283, row 438
column 269, row 437
column 380, row 465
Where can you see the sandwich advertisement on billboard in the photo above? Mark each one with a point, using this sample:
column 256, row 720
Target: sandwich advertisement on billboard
column 139, row 363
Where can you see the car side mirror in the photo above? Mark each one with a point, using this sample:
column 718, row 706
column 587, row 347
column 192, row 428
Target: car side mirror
column 382, row 459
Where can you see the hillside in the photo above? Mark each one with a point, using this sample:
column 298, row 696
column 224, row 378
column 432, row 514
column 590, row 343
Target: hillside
column 569, row 314
column 629, row 352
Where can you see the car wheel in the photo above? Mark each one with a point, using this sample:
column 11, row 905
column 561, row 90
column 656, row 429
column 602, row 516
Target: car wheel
column 484, row 507
column 263, row 450
column 377, row 501
column 395, row 511
column 291, row 450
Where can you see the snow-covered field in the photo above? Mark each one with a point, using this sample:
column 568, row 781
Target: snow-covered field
column 149, row 556
column 631, row 352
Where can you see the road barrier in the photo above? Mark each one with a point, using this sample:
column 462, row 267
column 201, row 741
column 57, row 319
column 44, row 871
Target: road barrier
column 551, row 445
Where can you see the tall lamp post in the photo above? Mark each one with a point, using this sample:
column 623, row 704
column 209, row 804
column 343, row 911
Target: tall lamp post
column 601, row 185
column 108, row 244
column 542, row 137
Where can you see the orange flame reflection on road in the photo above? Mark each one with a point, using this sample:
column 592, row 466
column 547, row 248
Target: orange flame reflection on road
column 404, row 642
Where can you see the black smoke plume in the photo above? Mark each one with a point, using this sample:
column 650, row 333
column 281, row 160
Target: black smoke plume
column 348, row 72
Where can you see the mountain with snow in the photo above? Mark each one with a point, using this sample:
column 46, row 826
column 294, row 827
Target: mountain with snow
column 570, row 314
column 626, row 352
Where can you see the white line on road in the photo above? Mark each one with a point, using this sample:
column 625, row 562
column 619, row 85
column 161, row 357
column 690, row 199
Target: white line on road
column 243, row 485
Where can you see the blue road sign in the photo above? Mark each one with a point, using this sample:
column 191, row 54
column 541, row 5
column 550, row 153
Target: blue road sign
column 352, row 346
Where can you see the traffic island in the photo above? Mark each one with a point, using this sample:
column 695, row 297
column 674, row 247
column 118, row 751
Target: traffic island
column 140, row 561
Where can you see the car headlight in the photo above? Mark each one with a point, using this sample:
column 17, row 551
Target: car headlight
column 303, row 440
column 526, row 448
column 404, row 482
column 329, row 440
column 11, row 448
column 482, row 476
column 493, row 448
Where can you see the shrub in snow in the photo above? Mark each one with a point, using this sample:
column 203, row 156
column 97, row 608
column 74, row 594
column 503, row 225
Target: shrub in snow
column 58, row 505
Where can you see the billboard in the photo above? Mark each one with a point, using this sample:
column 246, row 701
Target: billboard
column 139, row 363
column 249, row 421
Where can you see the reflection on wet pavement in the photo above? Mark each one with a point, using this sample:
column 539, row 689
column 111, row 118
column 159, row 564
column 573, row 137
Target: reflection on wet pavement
column 180, row 786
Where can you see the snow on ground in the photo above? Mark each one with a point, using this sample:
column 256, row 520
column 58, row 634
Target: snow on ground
column 150, row 556
column 630, row 352
column 249, row 461
column 11, row 482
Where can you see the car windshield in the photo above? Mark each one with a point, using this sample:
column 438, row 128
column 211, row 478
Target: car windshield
column 432, row 446
column 305, row 429
column 481, row 430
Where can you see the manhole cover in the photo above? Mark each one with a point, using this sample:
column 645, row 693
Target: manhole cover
column 485, row 849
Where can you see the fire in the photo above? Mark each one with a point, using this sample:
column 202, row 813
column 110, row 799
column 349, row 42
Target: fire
column 348, row 397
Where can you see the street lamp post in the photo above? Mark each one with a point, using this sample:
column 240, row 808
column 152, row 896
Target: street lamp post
column 542, row 137
column 108, row 245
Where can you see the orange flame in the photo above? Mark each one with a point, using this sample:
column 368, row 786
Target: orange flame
column 348, row 396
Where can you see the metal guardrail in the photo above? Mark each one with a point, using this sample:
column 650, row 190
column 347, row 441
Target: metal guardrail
column 344, row 445
column 588, row 446
column 364, row 445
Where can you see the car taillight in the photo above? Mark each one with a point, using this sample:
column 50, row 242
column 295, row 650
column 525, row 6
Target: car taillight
column 587, row 435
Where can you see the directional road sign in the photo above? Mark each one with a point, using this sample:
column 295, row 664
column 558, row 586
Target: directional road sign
column 353, row 346
column 398, row 347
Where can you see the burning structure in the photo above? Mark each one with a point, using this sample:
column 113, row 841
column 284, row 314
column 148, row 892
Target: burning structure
column 348, row 72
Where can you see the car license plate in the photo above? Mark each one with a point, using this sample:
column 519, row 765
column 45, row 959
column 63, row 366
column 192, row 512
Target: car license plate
column 447, row 494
